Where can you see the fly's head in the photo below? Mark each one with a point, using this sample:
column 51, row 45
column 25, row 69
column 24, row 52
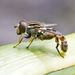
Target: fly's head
column 21, row 27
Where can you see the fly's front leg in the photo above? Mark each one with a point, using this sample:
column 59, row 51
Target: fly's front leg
column 57, row 41
column 19, row 41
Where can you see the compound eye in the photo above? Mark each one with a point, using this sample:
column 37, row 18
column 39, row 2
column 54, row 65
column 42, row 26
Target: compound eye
column 22, row 27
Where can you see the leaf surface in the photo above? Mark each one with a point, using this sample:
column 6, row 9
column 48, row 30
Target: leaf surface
column 41, row 58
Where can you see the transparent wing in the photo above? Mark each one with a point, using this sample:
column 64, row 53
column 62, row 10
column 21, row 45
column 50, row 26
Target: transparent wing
column 50, row 24
column 52, row 30
column 34, row 24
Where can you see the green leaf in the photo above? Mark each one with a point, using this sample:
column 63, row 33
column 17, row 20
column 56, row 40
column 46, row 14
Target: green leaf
column 67, row 71
column 41, row 58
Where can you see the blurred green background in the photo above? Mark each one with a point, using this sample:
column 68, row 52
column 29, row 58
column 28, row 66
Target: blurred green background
column 61, row 12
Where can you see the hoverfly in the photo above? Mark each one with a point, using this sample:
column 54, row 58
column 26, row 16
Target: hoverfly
column 41, row 31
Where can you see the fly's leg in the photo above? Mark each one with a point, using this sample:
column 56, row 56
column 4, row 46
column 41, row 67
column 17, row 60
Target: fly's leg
column 50, row 36
column 19, row 41
column 31, row 41
column 41, row 37
column 57, row 41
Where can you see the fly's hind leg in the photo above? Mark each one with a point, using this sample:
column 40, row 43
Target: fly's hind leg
column 19, row 41
column 57, row 41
